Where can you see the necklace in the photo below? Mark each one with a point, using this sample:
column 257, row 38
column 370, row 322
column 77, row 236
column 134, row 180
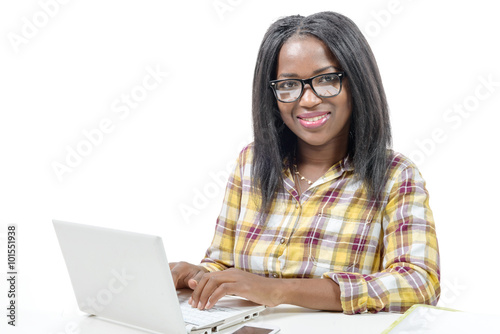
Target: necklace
column 302, row 177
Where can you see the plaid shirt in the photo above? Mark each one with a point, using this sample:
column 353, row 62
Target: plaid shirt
column 384, row 255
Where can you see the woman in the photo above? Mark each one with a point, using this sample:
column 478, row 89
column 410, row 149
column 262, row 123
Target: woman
column 318, row 211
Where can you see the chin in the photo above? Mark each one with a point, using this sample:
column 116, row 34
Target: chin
column 315, row 141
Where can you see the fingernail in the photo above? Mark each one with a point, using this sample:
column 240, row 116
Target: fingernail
column 190, row 300
column 199, row 305
column 207, row 306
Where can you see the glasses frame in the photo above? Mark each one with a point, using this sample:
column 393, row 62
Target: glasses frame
column 304, row 82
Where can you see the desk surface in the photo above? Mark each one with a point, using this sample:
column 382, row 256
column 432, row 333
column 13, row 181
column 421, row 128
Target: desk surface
column 290, row 319
column 293, row 319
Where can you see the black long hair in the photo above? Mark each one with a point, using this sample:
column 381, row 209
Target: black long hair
column 370, row 132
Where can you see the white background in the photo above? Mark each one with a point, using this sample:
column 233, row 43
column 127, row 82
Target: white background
column 161, row 159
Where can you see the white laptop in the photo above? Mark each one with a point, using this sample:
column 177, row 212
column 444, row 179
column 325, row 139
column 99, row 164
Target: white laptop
column 125, row 277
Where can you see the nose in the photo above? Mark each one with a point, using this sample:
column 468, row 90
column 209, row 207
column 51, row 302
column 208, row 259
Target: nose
column 309, row 98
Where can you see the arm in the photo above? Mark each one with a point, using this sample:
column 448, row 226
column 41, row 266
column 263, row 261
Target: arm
column 410, row 269
column 317, row 293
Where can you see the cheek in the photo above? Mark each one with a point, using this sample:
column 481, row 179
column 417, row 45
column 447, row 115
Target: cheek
column 286, row 111
column 347, row 106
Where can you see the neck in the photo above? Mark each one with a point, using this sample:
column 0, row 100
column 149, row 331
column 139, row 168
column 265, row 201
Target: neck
column 323, row 156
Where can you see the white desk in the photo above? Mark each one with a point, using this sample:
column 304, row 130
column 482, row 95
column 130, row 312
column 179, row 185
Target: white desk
column 293, row 319
column 290, row 319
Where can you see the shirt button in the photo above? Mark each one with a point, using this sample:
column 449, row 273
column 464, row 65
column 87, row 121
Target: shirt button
column 282, row 241
column 275, row 275
column 297, row 206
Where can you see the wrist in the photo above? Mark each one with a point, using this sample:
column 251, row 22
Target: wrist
column 281, row 289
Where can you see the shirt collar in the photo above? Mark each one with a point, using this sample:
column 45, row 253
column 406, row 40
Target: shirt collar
column 337, row 170
column 344, row 165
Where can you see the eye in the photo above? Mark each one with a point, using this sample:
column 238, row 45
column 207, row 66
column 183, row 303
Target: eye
column 288, row 84
column 327, row 78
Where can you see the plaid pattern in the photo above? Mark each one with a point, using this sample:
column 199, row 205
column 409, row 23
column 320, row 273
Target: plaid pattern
column 384, row 255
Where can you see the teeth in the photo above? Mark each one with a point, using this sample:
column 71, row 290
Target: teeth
column 314, row 119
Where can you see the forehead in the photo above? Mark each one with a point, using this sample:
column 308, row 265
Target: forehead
column 301, row 56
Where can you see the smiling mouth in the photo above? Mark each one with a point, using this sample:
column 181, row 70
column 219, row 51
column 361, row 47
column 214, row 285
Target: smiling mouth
column 314, row 122
column 313, row 119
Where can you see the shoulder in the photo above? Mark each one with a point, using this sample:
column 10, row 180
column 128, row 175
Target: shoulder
column 246, row 155
column 398, row 162
column 243, row 164
column 401, row 171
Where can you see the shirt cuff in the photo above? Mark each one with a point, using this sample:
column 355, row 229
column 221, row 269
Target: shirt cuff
column 353, row 292
column 213, row 266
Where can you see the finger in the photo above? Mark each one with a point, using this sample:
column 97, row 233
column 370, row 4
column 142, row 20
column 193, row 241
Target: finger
column 223, row 290
column 213, row 283
column 195, row 296
column 192, row 283
column 191, row 280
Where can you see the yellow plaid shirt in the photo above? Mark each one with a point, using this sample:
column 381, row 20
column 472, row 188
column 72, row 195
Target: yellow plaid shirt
column 384, row 255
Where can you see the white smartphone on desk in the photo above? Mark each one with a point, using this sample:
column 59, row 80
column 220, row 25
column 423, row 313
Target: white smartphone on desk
column 251, row 329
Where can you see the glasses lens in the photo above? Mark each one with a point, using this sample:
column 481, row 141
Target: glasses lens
column 288, row 90
column 327, row 85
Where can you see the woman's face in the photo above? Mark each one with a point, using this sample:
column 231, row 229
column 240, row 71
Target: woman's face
column 302, row 58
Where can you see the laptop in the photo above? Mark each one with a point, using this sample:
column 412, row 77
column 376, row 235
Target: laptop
column 124, row 277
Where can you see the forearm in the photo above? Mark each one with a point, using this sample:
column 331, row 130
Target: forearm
column 394, row 289
column 314, row 293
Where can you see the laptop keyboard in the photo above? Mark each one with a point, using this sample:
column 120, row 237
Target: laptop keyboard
column 197, row 317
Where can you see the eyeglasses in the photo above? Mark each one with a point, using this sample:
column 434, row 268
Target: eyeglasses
column 323, row 85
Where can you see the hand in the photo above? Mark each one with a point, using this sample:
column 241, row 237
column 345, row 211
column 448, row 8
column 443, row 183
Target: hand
column 213, row 286
column 186, row 275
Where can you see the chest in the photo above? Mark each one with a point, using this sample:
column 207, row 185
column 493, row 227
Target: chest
column 327, row 230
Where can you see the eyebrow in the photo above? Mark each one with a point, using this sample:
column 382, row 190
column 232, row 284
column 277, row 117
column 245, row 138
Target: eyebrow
column 292, row 75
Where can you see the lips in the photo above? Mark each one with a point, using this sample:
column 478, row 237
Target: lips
column 315, row 119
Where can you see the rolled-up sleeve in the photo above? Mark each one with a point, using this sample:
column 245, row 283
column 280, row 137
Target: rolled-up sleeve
column 410, row 258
